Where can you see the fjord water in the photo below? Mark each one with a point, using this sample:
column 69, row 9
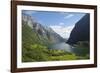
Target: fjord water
column 68, row 48
column 61, row 46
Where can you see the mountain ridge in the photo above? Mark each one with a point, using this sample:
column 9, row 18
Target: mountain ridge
column 81, row 30
column 44, row 33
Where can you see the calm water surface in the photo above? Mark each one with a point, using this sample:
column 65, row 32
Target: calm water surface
column 62, row 46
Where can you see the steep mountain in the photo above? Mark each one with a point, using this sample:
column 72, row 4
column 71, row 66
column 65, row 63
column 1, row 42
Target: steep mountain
column 81, row 30
column 35, row 33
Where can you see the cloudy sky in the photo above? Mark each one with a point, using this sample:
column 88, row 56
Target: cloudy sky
column 61, row 22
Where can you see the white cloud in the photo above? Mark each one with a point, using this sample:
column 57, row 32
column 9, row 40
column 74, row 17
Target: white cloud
column 68, row 16
column 63, row 31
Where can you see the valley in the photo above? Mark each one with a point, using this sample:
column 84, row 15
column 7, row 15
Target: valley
column 41, row 43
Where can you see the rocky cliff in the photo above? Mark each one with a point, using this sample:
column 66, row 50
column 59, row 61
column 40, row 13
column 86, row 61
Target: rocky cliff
column 39, row 32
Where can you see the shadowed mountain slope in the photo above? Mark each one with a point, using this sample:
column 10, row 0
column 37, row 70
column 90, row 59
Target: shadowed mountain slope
column 81, row 31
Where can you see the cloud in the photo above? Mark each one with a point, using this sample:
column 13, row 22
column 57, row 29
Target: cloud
column 68, row 16
column 29, row 12
column 63, row 31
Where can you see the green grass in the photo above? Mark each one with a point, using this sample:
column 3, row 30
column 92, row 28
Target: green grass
column 38, row 52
